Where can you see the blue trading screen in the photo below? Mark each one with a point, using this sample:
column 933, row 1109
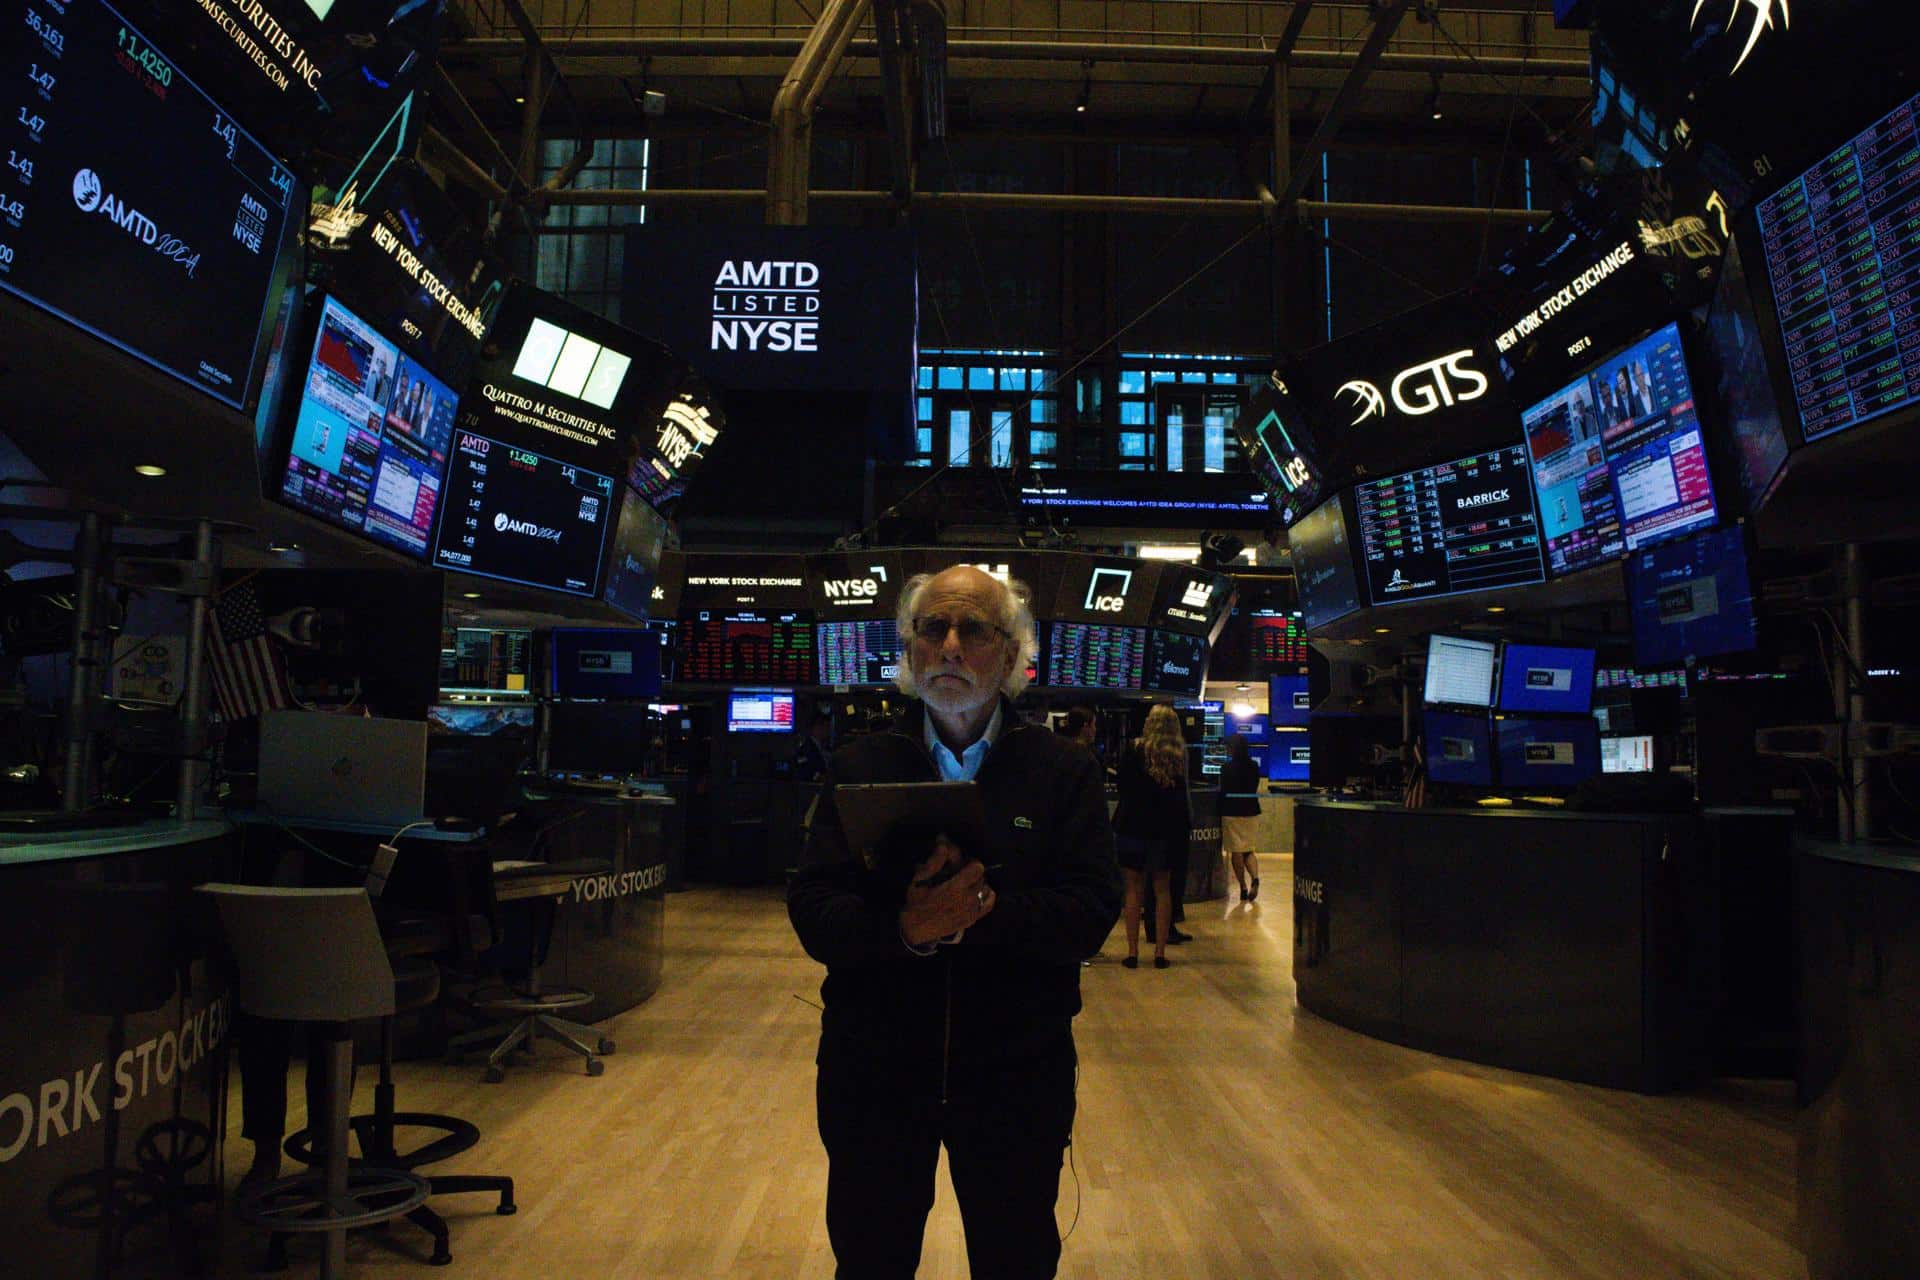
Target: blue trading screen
column 1655, row 452
column 1691, row 599
column 1842, row 244
column 1290, row 756
column 1538, row 677
column 1459, row 749
column 1288, row 701
column 1547, row 752
column 609, row 662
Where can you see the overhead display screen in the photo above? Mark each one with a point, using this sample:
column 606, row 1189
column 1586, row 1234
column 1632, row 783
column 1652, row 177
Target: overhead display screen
column 865, row 652
column 524, row 518
column 1745, row 384
column 130, row 204
column 1274, row 435
column 1840, row 243
column 370, row 439
column 1461, row 526
column 1579, row 518
column 1176, row 663
column 731, row 648
column 1107, row 590
column 1084, row 655
column 1538, row 677
column 1279, row 639
column 1323, row 564
column 1191, row 600
column 639, row 540
column 1691, row 600
column 1655, row 451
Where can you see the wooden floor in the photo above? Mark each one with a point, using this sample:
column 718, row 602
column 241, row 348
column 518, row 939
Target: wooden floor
column 1222, row 1133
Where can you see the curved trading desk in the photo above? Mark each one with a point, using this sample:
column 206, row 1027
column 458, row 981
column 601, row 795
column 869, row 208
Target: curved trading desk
column 1859, row 959
column 112, row 1083
column 1568, row 944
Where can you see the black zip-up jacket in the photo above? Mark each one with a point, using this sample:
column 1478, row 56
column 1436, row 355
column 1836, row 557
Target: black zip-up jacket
column 1011, row 986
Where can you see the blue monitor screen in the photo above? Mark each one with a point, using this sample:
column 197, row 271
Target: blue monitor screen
column 1288, row 701
column 1289, row 756
column 605, row 663
column 760, row 711
column 1256, row 729
column 1459, row 749
column 1651, row 428
column 1691, row 599
column 1538, row 677
column 1541, row 752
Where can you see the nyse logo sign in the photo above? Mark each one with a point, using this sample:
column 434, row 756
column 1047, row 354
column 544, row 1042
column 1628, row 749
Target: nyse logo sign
column 766, row 306
column 1107, row 590
column 856, row 591
column 684, row 433
column 1421, row 389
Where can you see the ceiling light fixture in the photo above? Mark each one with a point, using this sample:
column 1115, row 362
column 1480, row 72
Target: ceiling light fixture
column 1496, row 608
column 1433, row 99
column 149, row 470
column 1086, row 86
column 469, row 595
column 1381, row 631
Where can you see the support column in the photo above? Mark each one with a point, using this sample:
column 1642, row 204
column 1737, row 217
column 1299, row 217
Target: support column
column 76, row 780
column 193, row 710
column 1859, row 784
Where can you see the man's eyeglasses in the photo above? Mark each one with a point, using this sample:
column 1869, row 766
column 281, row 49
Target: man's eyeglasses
column 975, row 633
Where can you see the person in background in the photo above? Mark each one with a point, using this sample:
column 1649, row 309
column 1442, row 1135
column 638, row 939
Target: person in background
column 952, row 984
column 1078, row 725
column 1239, row 814
column 811, row 757
column 1151, row 826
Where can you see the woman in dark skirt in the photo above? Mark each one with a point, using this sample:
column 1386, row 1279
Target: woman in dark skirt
column 1150, row 824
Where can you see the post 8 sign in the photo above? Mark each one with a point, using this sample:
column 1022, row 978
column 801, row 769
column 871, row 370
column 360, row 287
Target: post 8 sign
column 776, row 308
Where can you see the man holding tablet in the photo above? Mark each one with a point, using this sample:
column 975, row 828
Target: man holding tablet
column 953, row 956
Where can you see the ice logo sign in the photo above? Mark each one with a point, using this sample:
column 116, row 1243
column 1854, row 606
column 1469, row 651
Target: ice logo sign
column 1107, row 590
column 1762, row 20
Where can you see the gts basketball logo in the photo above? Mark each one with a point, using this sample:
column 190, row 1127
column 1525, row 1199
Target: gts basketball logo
column 504, row 523
column 1107, row 590
column 855, row 590
column 1448, row 380
column 1481, row 499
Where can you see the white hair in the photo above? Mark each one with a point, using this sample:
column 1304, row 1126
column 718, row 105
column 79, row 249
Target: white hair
column 1014, row 615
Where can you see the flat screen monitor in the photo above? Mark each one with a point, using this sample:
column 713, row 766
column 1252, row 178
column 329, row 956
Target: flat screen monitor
column 475, row 720
column 1289, row 702
column 745, row 647
column 599, row 739
column 1290, row 756
column 760, row 711
column 1460, row 671
column 639, row 540
column 866, row 652
column 1538, row 677
column 1579, row 517
column 1744, row 384
column 487, row 662
column 1547, row 751
column 132, row 205
column 1627, row 754
column 1278, row 638
column 370, row 435
column 1465, row 525
column 1691, row 599
column 1459, row 749
column 1323, row 564
column 1838, row 244
column 1176, row 663
column 521, row 517
column 1656, row 454
column 1095, row 655
column 605, row 662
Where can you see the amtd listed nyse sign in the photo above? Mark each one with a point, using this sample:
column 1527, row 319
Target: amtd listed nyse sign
column 766, row 306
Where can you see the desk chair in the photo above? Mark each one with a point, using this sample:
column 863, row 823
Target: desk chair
column 314, row 955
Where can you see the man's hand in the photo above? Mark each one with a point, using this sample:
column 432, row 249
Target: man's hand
column 935, row 911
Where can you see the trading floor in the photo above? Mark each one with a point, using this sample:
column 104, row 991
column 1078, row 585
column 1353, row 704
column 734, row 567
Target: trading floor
column 1223, row 1133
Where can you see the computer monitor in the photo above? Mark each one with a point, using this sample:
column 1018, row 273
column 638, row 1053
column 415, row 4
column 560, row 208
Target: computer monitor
column 523, row 517
column 1465, row 525
column 1626, row 754
column 760, row 711
column 745, row 647
column 1176, row 663
column 1290, row 756
column 1459, row 749
column 1691, row 599
column 1277, row 639
column 1656, row 455
column 1289, row 702
column 1460, row 671
column 863, row 652
column 1579, row 516
column 1744, row 383
column 480, row 720
column 1323, row 564
column 602, row 739
column 1092, row 655
column 1538, row 677
column 1540, row 751
column 487, row 662
column 639, row 540
column 605, row 662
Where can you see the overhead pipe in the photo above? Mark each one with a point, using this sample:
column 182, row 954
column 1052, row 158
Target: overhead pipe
column 1385, row 22
column 789, row 155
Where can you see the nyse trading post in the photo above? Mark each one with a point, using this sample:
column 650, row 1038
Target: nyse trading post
column 520, row 517
column 1842, row 246
column 1467, row 525
column 128, row 198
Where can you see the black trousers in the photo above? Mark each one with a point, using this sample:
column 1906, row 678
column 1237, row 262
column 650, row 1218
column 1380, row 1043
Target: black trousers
column 1004, row 1131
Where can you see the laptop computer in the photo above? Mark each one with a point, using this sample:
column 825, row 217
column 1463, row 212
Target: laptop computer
column 342, row 768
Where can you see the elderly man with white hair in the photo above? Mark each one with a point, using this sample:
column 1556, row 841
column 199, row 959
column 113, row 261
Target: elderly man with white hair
column 951, row 990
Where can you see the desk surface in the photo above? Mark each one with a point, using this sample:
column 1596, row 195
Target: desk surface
column 1881, row 856
column 59, row 846
column 424, row 831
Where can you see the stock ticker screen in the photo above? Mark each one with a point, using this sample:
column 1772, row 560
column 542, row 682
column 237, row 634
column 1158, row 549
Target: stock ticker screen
column 1095, row 655
column 1842, row 245
column 486, row 660
column 1655, row 452
column 1459, row 526
column 1279, row 639
column 1579, row 518
column 521, row 517
column 862, row 652
column 743, row 648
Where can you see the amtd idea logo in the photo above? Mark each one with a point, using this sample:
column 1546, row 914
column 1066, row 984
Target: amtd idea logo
column 1447, row 380
column 504, row 523
column 91, row 195
column 1107, row 590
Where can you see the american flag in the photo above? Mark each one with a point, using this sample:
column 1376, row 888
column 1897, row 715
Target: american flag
column 248, row 676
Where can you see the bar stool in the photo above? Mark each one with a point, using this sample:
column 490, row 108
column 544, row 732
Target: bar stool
column 315, row 955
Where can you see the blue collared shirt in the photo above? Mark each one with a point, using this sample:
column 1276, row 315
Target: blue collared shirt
column 962, row 767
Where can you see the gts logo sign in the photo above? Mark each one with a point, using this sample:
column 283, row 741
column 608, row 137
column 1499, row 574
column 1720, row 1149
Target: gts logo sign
column 1481, row 499
column 1107, row 590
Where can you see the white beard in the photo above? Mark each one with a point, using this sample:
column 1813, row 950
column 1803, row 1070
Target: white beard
column 951, row 697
